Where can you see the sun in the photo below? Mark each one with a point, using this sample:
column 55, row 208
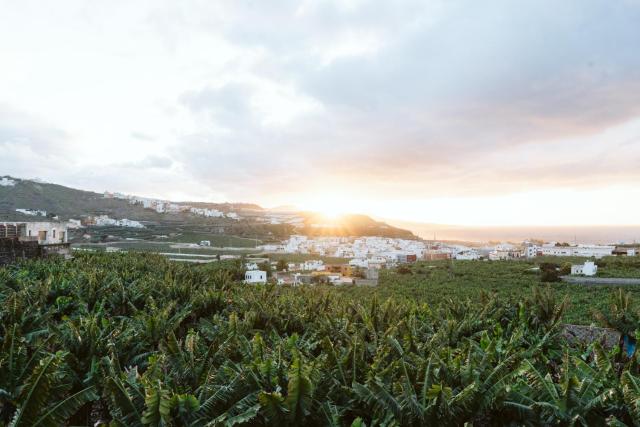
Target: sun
column 332, row 214
column 330, row 208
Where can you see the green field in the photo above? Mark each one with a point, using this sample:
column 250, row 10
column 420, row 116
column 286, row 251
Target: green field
column 147, row 246
column 441, row 281
column 131, row 339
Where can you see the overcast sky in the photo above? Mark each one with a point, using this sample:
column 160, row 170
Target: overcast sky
column 468, row 112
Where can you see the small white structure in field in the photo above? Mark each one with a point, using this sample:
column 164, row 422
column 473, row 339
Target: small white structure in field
column 255, row 276
column 589, row 268
column 251, row 266
column 205, row 242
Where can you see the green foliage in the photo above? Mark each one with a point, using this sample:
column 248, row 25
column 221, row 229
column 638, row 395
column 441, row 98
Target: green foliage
column 281, row 265
column 135, row 340
column 549, row 272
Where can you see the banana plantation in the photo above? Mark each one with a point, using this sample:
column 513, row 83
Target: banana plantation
column 135, row 340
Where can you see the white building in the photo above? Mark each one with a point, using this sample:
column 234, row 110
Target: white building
column 46, row 233
column 532, row 251
column 74, row 223
column 468, row 255
column 313, row 265
column 209, row 213
column 104, row 220
column 7, row 182
column 597, row 251
column 32, row 212
column 589, row 268
column 251, row 266
column 255, row 276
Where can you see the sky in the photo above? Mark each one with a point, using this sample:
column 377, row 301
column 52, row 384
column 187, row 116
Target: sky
column 454, row 112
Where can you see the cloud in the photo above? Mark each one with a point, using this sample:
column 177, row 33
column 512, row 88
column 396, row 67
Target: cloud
column 258, row 102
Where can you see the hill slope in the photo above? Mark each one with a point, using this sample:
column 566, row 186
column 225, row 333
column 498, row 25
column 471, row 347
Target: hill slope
column 73, row 203
column 64, row 201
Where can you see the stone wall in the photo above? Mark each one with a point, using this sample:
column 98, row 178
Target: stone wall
column 12, row 250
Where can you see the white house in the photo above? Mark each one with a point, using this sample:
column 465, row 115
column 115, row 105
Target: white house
column 589, row 268
column 313, row 265
column 7, row 182
column 597, row 251
column 104, row 220
column 251, row 266
column 74, row 223
column 46, row 233
column 470, row 254
column 255, row 276
column 32, row 212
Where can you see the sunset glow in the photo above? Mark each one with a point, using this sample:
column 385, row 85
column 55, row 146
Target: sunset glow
column 372, row 108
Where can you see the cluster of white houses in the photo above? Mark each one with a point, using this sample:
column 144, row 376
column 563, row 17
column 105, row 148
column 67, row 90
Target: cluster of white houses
column 104, row 220
column 376, row 250
column 165, row 206
column 375, row 253
column 313, row 271
column 589, row 251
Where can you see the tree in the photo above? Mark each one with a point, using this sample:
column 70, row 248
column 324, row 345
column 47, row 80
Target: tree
column 281, row 265
column 265, row 266
column 549, row 272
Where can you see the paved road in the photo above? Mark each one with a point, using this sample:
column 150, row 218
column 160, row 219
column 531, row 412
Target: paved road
column 618, row 281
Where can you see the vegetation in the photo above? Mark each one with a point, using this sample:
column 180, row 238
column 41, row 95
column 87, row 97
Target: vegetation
column 436, row 282
column 132, row 339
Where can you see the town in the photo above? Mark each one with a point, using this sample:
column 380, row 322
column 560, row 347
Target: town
column 365, row 256
column 354, row 260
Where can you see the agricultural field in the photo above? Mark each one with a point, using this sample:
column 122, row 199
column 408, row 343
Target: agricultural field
column 440, row 281
column 164, row 247
column 135, row 340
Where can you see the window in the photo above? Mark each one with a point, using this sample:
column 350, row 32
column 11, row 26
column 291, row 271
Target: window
column 54, row 233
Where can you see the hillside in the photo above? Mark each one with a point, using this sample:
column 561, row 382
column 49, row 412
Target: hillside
column 350, row 225
column 255, row 222
column 65, row 202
